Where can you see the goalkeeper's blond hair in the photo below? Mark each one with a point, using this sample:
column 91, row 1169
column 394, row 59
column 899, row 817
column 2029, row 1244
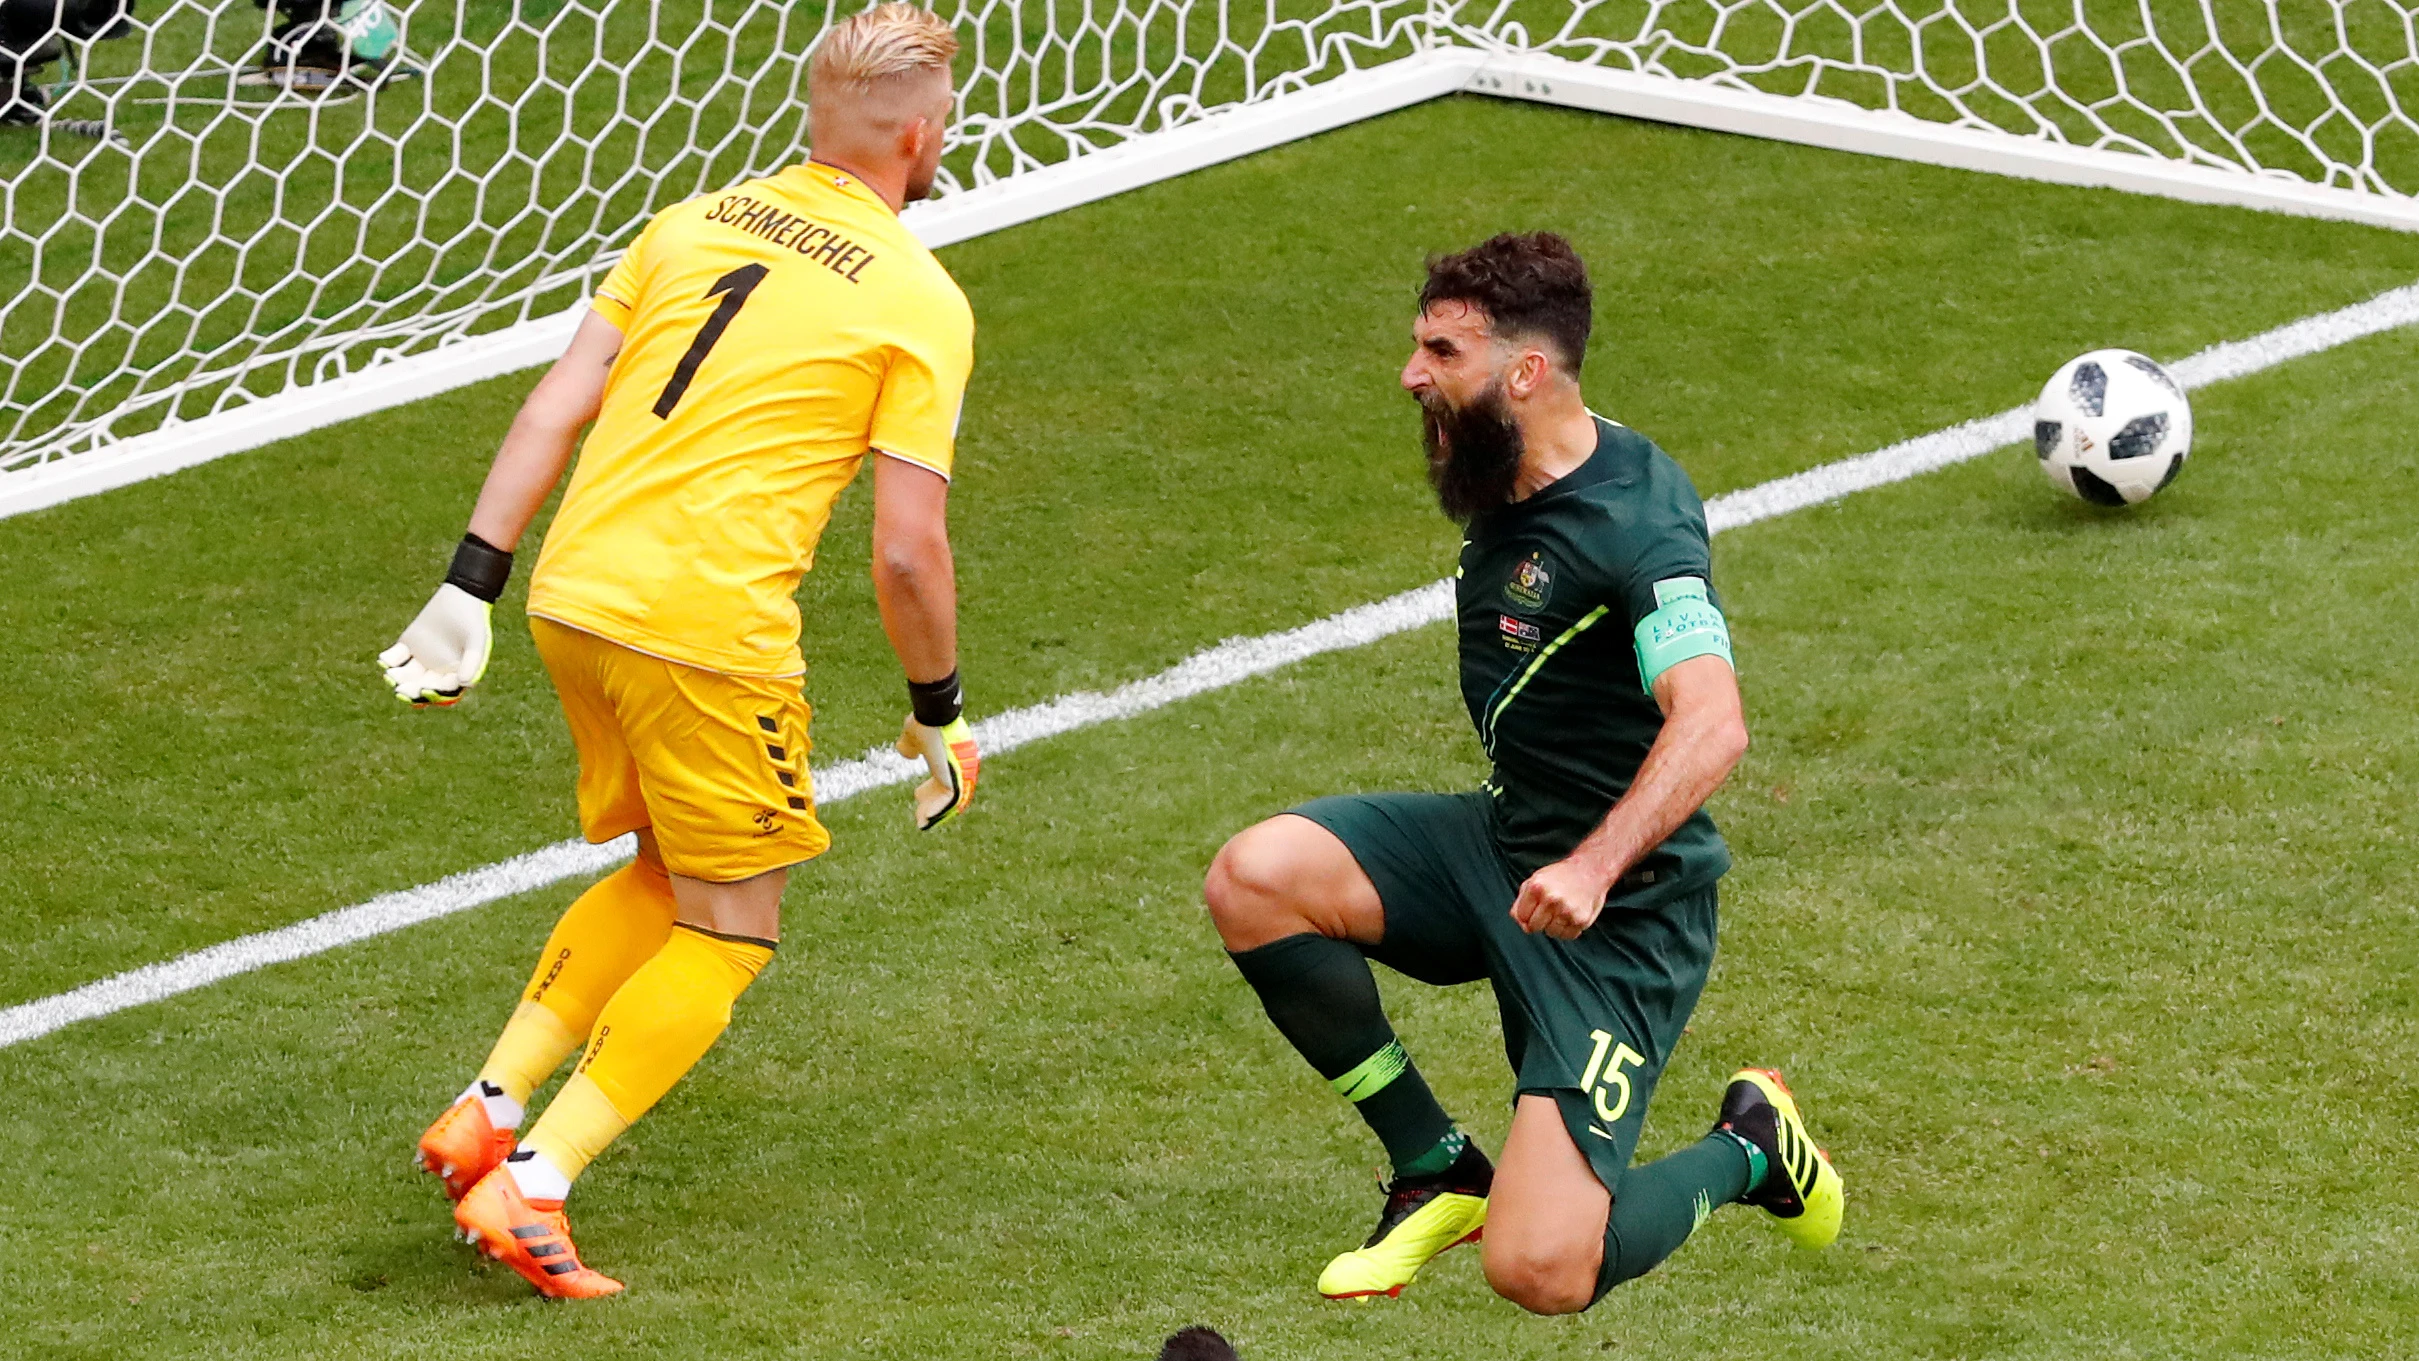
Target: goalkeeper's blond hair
column 877, row 45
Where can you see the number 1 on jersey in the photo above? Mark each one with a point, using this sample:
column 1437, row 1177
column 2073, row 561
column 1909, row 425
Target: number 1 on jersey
column 734, row 288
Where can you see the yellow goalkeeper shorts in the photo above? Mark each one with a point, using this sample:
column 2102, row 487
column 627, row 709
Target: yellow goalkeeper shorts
column 715, row 764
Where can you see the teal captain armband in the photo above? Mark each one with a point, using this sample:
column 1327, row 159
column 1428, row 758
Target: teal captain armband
column 1685, row 624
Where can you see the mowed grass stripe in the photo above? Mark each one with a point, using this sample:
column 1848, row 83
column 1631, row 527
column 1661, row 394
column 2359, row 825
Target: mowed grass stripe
column 1207, row 451
column 2017, row 803
column 1214, row 668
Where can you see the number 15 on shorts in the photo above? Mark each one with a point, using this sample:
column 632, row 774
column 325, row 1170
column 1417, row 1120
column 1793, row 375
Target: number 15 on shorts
column 1612, row 1095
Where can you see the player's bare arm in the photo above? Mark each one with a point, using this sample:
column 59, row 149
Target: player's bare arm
column 444, row 652
column 1704, row 735
column 915, row 583
column 545, row 434
column 915, row 579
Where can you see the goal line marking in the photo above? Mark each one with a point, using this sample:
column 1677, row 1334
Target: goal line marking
column 1215, row 668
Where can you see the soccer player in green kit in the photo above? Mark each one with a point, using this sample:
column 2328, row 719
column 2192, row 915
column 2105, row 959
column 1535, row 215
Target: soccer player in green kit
column 1580, row 880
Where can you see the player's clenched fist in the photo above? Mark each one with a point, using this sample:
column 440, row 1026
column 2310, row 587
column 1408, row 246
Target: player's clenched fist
column 445, row 650
column 936, row 734
column 1562, row 900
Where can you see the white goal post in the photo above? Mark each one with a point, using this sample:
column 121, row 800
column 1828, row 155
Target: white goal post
column 201, row 259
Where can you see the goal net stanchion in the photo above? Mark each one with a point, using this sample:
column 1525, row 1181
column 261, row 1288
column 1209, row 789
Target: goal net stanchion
column 239, row 261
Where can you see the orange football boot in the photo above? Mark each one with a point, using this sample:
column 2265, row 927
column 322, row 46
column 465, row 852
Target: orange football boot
column 531, row 1237
column 463, row 1146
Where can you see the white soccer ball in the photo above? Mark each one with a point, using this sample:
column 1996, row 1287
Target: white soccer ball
column 2112, row 427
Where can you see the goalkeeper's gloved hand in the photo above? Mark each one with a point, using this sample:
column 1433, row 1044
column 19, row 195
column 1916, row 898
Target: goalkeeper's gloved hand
column 445, row 650
column 937, row 734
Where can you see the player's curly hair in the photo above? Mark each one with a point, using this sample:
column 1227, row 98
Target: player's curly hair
column 1530, row 284
column 871, row 46
column 1197, row 1344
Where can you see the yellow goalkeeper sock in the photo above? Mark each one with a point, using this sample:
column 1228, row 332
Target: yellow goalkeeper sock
column 602, row 939
column 651, row 1034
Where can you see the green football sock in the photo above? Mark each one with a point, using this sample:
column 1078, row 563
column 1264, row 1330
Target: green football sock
column 1395, row 1100
column 1757, row 1163
column 1659, row 1204
column 1323, row 998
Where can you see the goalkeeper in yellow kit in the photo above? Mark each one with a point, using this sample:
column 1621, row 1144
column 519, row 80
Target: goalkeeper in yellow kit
column 748, row 352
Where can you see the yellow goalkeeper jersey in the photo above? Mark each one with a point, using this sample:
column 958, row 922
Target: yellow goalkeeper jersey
column 772, row 336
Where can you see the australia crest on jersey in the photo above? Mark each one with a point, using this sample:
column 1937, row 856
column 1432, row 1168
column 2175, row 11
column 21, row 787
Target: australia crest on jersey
column 1532, row 583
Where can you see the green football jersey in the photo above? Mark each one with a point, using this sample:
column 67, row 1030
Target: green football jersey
column 1549, row 595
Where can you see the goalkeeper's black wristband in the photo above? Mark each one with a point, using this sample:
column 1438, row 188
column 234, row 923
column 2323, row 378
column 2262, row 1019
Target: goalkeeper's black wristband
column 480, row 568
column 937, row 704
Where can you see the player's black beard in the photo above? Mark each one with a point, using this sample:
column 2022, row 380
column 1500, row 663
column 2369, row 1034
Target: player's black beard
column 1473, row 452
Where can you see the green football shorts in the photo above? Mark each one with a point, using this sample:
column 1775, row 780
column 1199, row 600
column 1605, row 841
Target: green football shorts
column 1589, row 1022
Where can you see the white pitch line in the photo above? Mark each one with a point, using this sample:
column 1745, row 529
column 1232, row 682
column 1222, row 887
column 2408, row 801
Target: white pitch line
column 1215, row 668
column 1956, row 444
column 1230, row 662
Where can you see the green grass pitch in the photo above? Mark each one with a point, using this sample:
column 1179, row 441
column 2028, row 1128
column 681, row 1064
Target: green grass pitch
column 2073, row 889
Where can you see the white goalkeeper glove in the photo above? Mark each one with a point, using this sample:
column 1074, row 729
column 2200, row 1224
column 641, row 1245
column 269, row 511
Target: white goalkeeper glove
column 445, row 650
column 946, row 748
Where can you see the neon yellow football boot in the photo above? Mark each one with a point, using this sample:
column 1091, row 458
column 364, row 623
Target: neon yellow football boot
column 1801, row 1189
column 1423, row 1217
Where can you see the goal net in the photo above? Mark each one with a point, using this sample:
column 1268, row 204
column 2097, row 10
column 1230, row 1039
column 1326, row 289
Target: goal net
column 2318, row 91
column 192, row 228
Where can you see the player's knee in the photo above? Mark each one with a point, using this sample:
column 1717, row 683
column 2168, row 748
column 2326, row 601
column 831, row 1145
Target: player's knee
column 1542, row 1273
column 1540, row 1284
column 1228, row 891
column 1246, row 892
